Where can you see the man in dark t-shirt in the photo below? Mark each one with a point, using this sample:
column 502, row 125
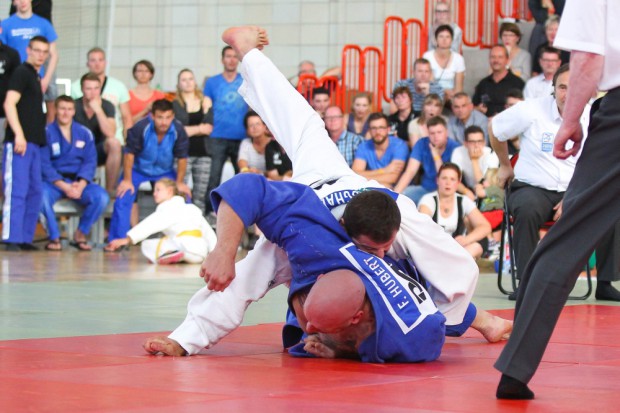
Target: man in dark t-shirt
column 97, row 114
column 22, row 160
column 490, row 95
column 277, row 163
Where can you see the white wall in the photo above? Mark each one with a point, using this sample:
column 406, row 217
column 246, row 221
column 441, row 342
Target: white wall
column 174, row 34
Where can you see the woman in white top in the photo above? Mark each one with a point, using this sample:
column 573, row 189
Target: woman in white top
column 187, row 235
column 252, row 149
column 456, row 214
column 442, row 15
column 448, row 66
column 520, row 60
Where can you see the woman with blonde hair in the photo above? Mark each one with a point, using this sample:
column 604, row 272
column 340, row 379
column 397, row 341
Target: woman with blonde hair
column 187, row 235
column 191, row 108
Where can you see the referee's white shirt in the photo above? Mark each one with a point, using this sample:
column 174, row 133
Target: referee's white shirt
column 593, row 26
column 537, row 121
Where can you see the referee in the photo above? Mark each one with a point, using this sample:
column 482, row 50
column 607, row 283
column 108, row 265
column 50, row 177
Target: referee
column 592, row 201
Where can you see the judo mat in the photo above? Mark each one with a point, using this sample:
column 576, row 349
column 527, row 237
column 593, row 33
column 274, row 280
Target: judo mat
column 249, row 372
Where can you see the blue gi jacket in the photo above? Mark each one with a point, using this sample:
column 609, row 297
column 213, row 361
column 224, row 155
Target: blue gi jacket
column 409, row 328
column 60, row 159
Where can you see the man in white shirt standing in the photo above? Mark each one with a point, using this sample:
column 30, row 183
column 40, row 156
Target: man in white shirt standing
column 591, row 203
column 542, row 85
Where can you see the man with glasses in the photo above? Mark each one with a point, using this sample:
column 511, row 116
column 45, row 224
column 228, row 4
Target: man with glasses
column 346, row 141
column 22, row 160
column 541, row 85
column 383, row 157
column 474, row 158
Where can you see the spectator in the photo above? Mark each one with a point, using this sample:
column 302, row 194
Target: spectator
column 68, row 163
column 97, row 114
column 187, row 235
column 551, row 29
column 143, row 95
column 541, row 85
column 399, row 121
column 320, row 100
column 191, row 108
column 305, row 67
column 383, row 157
column 442, row 17
column 18, row 29
column 347, row 141
column 112, row 90
column 277, row 163
column 428, row 153
column 22, row 159
column 491, row 203
column 252, row 149
column 41, row 8
column 455, row 213
column 417, row 127
column 542, row 10
column 421, row 85
column 357, row 120
column 490, row 94
column 520, row 61
column 448, row 66
column 152, row 145
column 513, row 97
column 9, row 60
column 474, row 158
column 229, row 108
column 464, row 115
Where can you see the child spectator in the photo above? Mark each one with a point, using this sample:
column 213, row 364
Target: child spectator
column 187, row 235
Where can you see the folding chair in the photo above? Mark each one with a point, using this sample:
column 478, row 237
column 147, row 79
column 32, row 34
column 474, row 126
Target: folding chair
column 507, row 236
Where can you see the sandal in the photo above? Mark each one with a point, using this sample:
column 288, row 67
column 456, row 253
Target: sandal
column 53, row 245
column 81, row 245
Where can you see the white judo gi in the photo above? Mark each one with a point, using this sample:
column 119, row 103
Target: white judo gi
column 450, row 270
column 184, row 227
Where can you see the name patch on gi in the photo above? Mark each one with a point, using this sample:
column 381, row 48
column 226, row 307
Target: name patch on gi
column 342, row 197
column 80, row 144
column 55, row 148
column 405, row 299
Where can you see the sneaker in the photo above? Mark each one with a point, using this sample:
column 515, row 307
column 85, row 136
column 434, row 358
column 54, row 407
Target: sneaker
column 171, row 257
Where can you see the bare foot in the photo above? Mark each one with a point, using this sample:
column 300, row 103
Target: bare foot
column 164, row 345
column 492, row 328
column 313, row 345
column 245, row 38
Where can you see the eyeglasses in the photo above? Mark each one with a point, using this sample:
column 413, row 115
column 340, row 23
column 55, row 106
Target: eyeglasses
column 332, row 117
column 41, row 51
column 442, row 11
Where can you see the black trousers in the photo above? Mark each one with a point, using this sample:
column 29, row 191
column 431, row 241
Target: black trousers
column 591, row 208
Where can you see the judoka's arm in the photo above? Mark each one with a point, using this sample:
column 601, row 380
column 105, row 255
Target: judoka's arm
column 218, row 269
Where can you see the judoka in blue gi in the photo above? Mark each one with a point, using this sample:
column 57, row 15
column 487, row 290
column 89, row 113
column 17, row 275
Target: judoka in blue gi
column 21, row 169
column 449, row 270
column 151, row 148
column 68, row 164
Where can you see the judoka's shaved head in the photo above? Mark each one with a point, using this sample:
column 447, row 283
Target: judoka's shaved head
column 335, row 301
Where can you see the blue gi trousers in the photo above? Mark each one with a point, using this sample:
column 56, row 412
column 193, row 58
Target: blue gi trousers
column 22, row 193
column 121, row 216
column 94, row 200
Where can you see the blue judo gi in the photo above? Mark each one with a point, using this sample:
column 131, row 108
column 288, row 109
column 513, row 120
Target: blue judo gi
column 409, row 328
column 70, row 162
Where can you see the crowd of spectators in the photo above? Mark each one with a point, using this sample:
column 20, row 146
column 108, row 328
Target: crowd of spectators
column 433, row 145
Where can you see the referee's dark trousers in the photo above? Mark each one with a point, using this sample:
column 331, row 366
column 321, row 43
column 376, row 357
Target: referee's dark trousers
column 591, row 207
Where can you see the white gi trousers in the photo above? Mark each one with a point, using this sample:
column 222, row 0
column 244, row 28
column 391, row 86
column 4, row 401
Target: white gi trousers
column 194, row 248
column 449, row 269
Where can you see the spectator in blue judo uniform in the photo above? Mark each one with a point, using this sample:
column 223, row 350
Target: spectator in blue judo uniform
column 68, row 164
